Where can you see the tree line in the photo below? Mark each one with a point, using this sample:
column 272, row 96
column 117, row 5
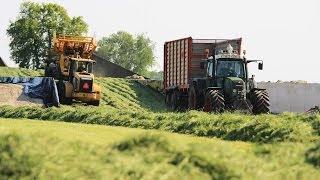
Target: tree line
column 32, row 31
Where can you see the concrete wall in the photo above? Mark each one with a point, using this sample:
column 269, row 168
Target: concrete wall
column 292, row 97
column 104, row 68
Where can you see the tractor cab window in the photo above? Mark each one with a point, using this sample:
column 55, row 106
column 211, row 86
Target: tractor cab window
column 230, row 68
column 80, row 66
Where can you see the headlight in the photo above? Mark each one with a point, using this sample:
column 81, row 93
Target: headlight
column 234, row 91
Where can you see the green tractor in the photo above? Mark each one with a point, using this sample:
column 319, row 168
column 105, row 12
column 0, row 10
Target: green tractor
column 227, row 86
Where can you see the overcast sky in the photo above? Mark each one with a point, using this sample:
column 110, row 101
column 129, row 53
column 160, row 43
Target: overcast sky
column 284, row 33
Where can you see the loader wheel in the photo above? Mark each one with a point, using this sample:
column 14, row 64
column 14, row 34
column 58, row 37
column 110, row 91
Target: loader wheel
column 214, row 101
column 260, row 102
column 192, row 98
column 62, row 94
column 94, row 103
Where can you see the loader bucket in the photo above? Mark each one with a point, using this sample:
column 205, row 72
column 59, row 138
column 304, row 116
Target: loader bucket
column 44, row 88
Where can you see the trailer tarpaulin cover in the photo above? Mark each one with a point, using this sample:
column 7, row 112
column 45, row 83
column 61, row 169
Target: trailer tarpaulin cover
column 37, row 87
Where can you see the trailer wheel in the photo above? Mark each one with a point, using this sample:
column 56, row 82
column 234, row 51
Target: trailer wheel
column 260, row 101
column 174, row 101
column 214, row 101
column 168, row 99
column 192, row 98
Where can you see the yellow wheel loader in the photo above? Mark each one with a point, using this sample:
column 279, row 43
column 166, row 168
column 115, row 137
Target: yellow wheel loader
column 73, row 70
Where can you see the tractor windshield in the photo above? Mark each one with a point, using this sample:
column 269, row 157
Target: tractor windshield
column 230, row 68
column 82, row 66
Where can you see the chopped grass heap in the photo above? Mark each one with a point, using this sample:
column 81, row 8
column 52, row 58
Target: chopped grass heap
column 56, row 150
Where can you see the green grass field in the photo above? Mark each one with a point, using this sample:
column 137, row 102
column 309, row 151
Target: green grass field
column 131, row 135
column 57, row 150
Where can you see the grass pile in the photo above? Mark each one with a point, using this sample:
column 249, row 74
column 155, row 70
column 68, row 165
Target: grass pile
column 56, row 150
column 260, row 129
column 126, row 94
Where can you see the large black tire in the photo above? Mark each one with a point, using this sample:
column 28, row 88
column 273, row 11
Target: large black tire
column 168, row 99
column 62, row 94
column 94, row 103
column 174, row 101
column 192, row 98
column 214, row 101
column 260, row 101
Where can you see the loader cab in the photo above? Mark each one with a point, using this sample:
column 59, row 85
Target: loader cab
column 81, row 66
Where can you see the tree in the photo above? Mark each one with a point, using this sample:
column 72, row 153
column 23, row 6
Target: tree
column 155, row 75
column 133, row 53
column 31, row 33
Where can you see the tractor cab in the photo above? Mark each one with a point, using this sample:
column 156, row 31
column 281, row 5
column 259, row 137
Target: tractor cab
column 81, row 74
column 227, row 74
column 228, row 65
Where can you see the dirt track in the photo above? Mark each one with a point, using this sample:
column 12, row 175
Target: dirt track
column 12, row 94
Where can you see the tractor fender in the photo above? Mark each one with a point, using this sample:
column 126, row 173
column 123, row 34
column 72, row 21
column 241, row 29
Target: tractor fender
column 212, row 88
column 261, row 89
column 96, row 88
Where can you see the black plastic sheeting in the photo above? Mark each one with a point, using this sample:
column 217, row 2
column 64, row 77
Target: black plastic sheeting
column 44, row 88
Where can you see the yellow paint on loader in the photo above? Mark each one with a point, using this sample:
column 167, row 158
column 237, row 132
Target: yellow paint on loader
column 73, row 69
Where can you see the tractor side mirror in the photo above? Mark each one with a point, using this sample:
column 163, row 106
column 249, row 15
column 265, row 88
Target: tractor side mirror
column 202, row 64
column 260, row 66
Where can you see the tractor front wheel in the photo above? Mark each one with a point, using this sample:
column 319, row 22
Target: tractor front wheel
column 214, row 101
column 260, row 101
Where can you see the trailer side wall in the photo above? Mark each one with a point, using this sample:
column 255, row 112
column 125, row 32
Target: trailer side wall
column 182, row 58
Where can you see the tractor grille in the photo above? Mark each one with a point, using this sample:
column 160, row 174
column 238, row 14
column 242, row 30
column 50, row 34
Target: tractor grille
column 85, row 85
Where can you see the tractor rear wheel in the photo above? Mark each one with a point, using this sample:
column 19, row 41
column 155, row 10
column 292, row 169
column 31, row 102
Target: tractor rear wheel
column 192, row 98
column 260, row 101
column 214, row 101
